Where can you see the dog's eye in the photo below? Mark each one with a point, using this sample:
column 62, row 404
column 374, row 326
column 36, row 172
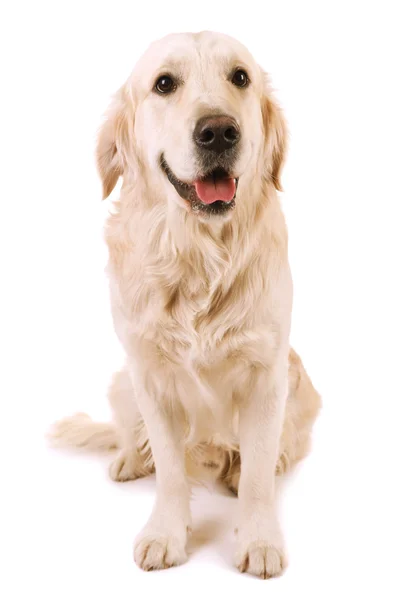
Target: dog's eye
column 240, row 78
column 165, row 84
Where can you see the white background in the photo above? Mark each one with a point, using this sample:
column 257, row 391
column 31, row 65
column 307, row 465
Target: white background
column 67, row 531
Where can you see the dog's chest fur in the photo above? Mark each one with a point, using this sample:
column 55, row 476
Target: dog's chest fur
column 197, row 302
column 202, row 311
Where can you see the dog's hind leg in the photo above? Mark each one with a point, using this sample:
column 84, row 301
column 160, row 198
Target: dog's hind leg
column 302, row 407
column 126, row 433
column 134, row 458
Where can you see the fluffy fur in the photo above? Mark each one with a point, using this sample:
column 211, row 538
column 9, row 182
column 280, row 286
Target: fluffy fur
column 201, row 305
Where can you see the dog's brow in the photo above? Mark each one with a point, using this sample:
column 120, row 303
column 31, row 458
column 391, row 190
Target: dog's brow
column 171, row 64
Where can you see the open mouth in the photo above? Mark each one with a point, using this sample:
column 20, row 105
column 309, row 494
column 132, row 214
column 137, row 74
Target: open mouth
column 212, row 194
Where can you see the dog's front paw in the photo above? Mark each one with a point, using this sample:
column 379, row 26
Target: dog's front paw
column 159, row 551
column 261, row 559
column 260, row 549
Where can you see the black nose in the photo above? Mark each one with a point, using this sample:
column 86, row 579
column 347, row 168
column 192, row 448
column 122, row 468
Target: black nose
column 217, row 133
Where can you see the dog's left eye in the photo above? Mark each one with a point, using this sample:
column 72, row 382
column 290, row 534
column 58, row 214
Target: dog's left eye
column 165, row 85
column 240, row 78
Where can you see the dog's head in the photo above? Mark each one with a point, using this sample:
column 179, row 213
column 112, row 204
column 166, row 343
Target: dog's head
column 196, row 119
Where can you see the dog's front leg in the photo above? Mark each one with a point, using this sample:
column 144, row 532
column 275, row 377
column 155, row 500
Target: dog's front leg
column 161, row 543
column 260, row 547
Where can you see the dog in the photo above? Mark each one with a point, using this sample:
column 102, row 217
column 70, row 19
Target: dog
column 201, row 295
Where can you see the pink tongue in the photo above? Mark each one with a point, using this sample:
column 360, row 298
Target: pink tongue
column 210, row 190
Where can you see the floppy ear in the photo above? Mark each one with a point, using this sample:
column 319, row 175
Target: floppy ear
column 276, row 137
column 115, row 141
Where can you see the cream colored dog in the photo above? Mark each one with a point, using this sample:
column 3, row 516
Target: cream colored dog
column 201, row 295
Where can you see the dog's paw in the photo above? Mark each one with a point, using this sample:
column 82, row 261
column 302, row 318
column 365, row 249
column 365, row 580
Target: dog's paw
column 260, row 546
column 125, row 467
column 261, row 559
column 158, row 551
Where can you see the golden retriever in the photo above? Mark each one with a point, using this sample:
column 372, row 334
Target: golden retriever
column 201, row 295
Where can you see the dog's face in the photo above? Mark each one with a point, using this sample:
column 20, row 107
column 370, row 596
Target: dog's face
column 196, row 113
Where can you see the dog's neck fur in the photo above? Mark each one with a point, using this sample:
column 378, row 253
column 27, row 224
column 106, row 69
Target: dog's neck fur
column 191, row 266
column 208, row 245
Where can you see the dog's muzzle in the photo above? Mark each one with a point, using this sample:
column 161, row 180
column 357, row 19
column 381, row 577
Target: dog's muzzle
column 216, row 139
column 211, row 194
column 216, row 134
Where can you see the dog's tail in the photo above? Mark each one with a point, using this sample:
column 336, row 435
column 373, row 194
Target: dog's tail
column 80, row 431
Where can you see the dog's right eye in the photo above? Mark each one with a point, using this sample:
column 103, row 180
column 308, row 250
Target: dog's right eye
column 165, row 85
